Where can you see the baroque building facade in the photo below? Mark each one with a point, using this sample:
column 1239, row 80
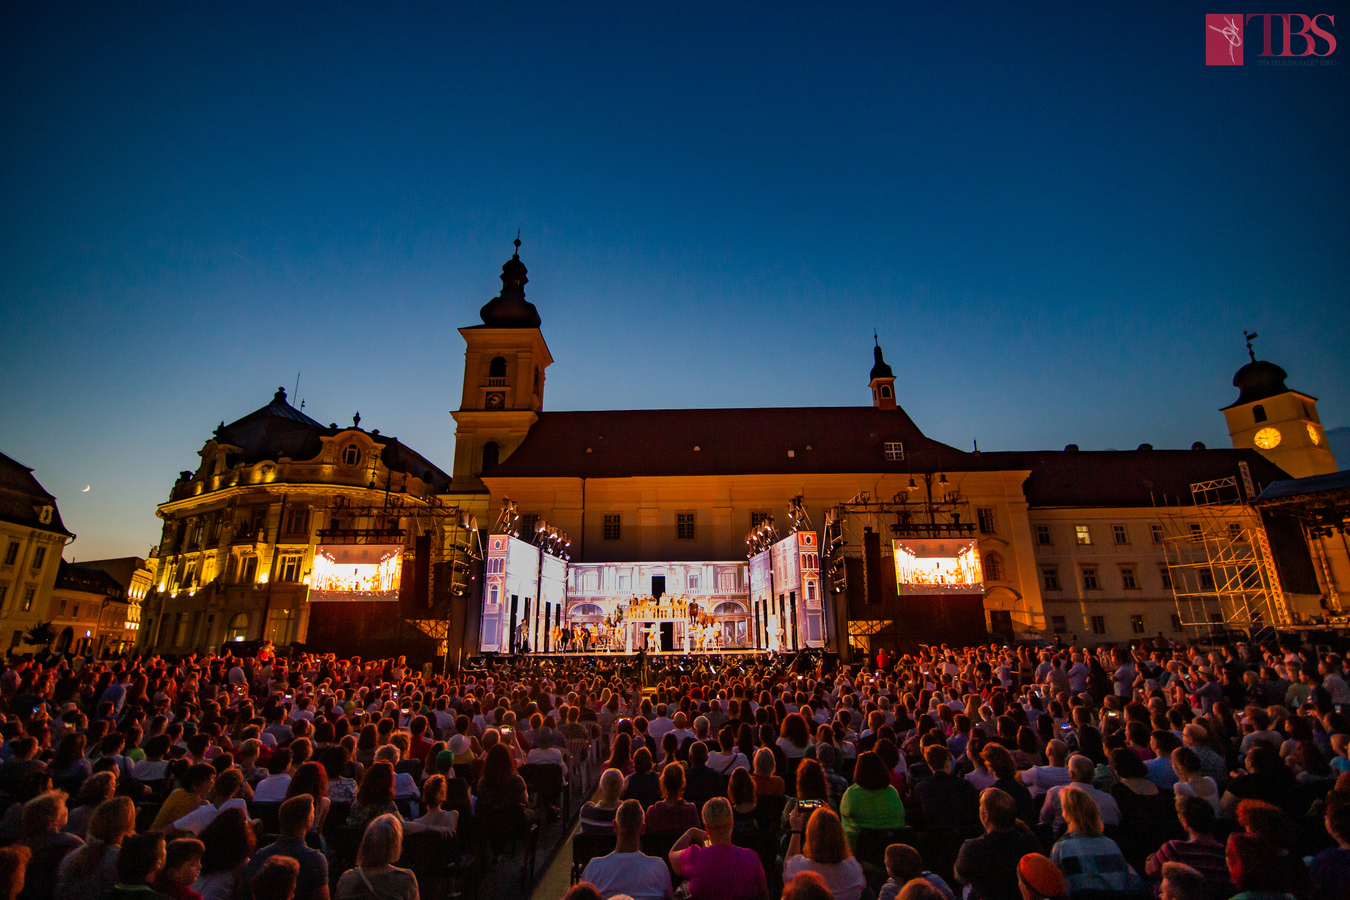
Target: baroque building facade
column 32, row 537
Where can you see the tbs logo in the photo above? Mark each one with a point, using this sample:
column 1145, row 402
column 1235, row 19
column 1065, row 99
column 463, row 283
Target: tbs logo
column 1282, row 34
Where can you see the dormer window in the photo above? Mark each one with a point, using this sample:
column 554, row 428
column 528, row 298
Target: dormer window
column 894, row 450
column 1259, row 413
column 351, row 455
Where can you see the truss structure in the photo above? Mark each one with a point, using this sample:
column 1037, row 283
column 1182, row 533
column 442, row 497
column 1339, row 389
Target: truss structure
column 1219, row 560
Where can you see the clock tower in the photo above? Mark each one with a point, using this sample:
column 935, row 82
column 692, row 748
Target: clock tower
column 1281, row 424
column 504, row 365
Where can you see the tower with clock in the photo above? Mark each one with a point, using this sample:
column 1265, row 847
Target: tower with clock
column 1280, row 423
column 504, row 364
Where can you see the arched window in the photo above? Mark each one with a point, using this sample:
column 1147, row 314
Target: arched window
column 886, row 391
column 536, row 379
column 993, row 567
column 1259, row 412
column 491, row 455
column 728, row 609
column 497, row 368
column 238, row 628
column 587, row 609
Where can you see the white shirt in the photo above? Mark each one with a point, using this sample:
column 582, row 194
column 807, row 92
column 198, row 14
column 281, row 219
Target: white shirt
column 405, row 788
column 639, row 876
column 1052, row 811
column 1040, row 779
column 659, row 727
column 272, row 789
column 725, row 763
column 203, row 815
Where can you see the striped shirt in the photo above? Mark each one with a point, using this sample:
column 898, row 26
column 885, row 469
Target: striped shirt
column 1205, row 856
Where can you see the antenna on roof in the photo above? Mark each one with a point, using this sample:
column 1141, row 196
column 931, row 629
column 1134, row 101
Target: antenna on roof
column 1250, row 337
column 875, row 339
column 296, row 392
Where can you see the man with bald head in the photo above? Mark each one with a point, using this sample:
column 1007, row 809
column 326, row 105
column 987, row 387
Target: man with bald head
column 1040, row 779
column 628, row 870
column 1080, row 773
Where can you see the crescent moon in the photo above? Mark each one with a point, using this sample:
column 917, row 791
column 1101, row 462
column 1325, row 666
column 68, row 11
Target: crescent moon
column 86, row 489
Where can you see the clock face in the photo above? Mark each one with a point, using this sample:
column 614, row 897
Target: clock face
column 1313, row 435
column 1268, row 438
column 495, row 400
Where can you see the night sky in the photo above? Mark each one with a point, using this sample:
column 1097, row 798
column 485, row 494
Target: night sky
column 1059, row 221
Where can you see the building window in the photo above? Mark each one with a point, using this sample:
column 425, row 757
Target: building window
column 684, row 526
column 290, row 568
column 1058, row 625
column 993, row 567
column 623, row 584
column 529, row 524
column 1137, row 624
column 894, row 449
column 726, row 582
column 4, row 596
column 1082, row 533
column 590, row 582
column 351, row 455
column 1099, row 624
column 297, row 520
column 1235, row 533
column 886, row 391
column 612, row 526
column 497, row 369
column 1259, row 413
column 1166, row 574
column 62, row 608
column 1157, row 532
column 1121, row 536
column 1090, row 578
column 1176, row 623
column 75, row 611
column 1050, row 578
column 1127, row 579
column 198, row 531
column 1196, row 536
column 758, row 518
column 1206, row 579
column 1043, row 535
column 986, row 519
column 693, row 581
column 28, row 595
column 39, row 557
column 11, row 553
column 250, row 570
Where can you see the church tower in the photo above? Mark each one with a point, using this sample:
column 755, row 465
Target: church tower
column 504, row 365
column 1280, row 423
column 883, row 380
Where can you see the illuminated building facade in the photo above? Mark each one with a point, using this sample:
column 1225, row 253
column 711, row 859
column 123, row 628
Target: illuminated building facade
column 31, row 539
column 241, row 532
column 90, row 612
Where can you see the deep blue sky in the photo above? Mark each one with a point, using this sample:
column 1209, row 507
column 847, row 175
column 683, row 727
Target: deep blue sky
column 1057, row 217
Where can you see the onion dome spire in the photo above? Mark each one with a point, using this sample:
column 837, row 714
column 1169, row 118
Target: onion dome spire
column 510, row 309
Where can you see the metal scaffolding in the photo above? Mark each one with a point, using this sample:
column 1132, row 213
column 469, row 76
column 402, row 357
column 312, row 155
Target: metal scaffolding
column 1219, row 560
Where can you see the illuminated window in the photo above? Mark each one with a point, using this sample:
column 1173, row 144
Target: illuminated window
column 1157, row 532
column 1176, row 623
column 290, row 568
column 1043, row 535
column 1166, row 574
column 351, row 455
column 11, row 553
column 1137, row 624
column 1127, row 578
column 894, row 449
column 1058, row 624
column 986, row 519
column 39, row 557
column 1259, row 413
column 1090, row 579
column 28, row 595
column 1120, row 535
column 612, row 526
column 1082, row 533
column 1050, row 578
column 1099, row 624
column 238, row 629
column 684, row 526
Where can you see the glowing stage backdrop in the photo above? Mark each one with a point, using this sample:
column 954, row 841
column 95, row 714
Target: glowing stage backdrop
column 937, row 566
column 796, row 581
column 356, row 572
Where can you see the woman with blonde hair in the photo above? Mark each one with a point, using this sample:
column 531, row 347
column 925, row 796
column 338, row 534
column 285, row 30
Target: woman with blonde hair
column 1090, row 860
column 91, row 871
column 375, row 873
column 821, row 847
column 597, row 816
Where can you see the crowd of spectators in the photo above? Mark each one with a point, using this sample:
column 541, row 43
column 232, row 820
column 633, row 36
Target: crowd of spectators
column 987, row 772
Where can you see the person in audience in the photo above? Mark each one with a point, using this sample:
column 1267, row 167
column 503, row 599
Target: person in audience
column 597, row 816
column 701, row 782
column 376, row 795
column 13, row 869
column 1200, row 851
column 1089, row 860
column 945, row 801
column 1329, row 871
column 1257, row 869
column 767, row 784
column 96, row 789
column 1038, row 878
column 182, row 867
column 714, row 867
column 139, row 862
column 198, row 781
column 375, row 873
column 672, row 813
column 229, row 842
column 627, row 871
column 644, row 785
column 91, row 870
column 806, row 886
column 817, row 844
column 225, row 794
column 1081, row 771
column 1040, row 779
column 903, row 865
column 434, row 795
column 277, row 879
column 871, row 802
column 296, row 818
column 44, row 817
column 988, row 864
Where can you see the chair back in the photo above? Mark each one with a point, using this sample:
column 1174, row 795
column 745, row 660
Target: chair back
column 544, row 779
column 586, row 847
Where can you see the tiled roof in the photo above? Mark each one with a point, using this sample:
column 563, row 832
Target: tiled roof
column 22, row 498
column 72, row 577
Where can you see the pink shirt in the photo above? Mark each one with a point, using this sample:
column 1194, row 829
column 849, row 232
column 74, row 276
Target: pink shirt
column 722, row 873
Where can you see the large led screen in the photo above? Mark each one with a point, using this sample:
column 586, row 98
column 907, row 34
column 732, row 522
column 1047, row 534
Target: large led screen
column 937, row 566
column 355, row 572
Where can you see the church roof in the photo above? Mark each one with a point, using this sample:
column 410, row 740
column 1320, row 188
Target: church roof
column 22, row 498
column 510, row 309
column 681, row 442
